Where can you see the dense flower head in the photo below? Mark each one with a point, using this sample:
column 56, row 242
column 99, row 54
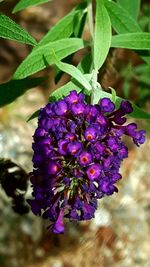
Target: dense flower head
column 78, row 150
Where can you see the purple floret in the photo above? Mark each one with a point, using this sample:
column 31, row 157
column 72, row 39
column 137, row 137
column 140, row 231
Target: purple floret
column 78, row 108
column 78, row 150
column 58, row 226
column 61, row 107
column 106, row 105
column 74, row 148
column 85, row 158
column 94, row 171
column 90, row 134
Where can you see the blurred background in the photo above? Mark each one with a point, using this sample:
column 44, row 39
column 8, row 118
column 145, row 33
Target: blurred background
column 119, row 235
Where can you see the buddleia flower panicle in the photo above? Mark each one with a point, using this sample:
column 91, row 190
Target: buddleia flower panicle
column 78, row 150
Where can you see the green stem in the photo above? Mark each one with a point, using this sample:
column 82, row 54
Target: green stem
column 96, row 87
column 90, row 20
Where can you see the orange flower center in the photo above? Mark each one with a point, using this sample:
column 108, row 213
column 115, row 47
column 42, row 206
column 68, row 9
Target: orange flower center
column 74, row 151
column 92, row 171
column 56, row 168
column 84, row 159
column 89, row 137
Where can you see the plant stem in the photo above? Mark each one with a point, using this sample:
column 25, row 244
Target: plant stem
column 90, row 20
column 95, row 85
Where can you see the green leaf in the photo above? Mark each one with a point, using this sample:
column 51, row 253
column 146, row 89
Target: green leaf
column 65, row 89
column 102, row 38
column 142, row 68
column 22, row 4
column 77, row 19
column 121, row 20
column 144, row 54
column 142, row 74
column 13, row 89
column 34, row 115
column 65, row 27
column 74, row 72
column 144, row 79
column 42, row 56
column 113, row 91
column 132, row 6
column 139, row 41
column 85, row 65
column 127, row 88
column 11, row 30
column 79, row 24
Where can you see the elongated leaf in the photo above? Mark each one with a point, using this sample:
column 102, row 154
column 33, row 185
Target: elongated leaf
column 43, row 55
column 72, row 85
column 113, row 91
column 142, row 73
column 74, row 72
column 13, row 89
column 79, row 24
column 34, row 115
column 85, row 65
column 139, row 41
column 132, row 6
column 11, row 30
column 145, row 55
column 66, row 26
column 102, row 39
column 77, row 19
column 22, row 4
column 143, row 68
column 121, row 20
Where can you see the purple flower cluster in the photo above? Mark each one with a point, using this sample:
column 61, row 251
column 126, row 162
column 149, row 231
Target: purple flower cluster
column 78, row 150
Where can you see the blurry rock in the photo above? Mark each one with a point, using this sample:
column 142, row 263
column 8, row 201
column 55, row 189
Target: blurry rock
column 106, row 236
column 102, row 218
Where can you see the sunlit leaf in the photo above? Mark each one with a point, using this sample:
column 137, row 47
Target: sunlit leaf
column 74, row 72
column 132, row 6
column 66, row 26
column 139, row 41
column 85, row 65
column 22, row 4
column 121, row 20
column 42, row 56
column 11, row 30
column 102, row 37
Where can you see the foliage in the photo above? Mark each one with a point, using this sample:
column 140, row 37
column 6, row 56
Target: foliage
column 65, row 38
